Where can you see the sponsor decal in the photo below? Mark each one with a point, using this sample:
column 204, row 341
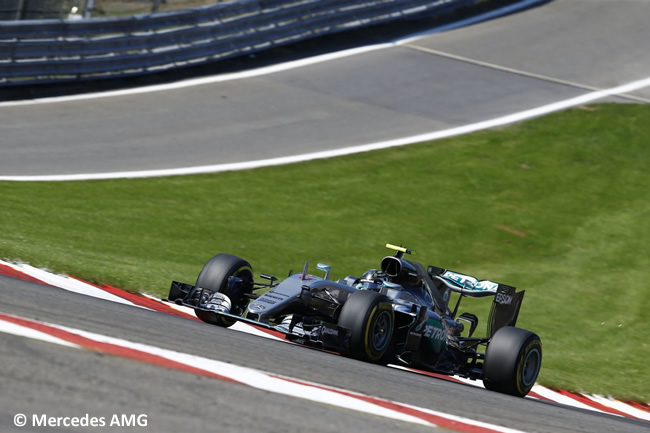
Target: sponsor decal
column 329, row 331
column 470, row 283
column 503, row 299
column 459, row 279
column 275, row 295
column 435, row 333
column 486, row 285
column 266, row 301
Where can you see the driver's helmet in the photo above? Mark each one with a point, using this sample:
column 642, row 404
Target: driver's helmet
column 370, row 281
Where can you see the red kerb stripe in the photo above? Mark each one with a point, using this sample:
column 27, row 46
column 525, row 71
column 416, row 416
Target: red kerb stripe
column 112, row 349
column 591, row 403
column 11, row 272
column 439, row 421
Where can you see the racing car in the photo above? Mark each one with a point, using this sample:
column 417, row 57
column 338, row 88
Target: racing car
column 397, row 314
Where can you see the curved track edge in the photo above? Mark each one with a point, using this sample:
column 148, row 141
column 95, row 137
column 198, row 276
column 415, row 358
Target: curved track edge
column 598, row 403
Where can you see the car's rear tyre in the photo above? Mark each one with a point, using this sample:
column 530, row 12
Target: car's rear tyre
column 512, row 361
column 370, row 318
column 214, row 277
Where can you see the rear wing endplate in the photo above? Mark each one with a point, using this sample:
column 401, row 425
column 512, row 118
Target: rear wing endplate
column 505, row 308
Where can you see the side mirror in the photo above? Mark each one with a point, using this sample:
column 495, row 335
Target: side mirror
column 326, row 268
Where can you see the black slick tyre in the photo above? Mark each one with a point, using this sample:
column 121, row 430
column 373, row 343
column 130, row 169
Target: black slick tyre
column 512, row 361
column 370, row 318
column 214, row 277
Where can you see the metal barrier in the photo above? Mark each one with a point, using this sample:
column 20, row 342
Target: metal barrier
column 31, row 9
column 50, row 51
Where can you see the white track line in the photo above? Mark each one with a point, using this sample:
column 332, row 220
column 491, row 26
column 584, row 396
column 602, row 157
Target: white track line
column 436, row 135
column 520, row 72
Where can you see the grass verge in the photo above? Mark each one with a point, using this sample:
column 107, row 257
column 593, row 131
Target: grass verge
column 558, row 206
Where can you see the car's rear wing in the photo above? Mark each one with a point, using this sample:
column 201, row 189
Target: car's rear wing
column 466, row 285
column 505, row 306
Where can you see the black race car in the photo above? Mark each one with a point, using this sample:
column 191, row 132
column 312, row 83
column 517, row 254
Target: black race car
column 398, row 314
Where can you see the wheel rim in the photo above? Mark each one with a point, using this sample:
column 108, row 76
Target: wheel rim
column 381, row 330
column 531, row 367
column 245, row 273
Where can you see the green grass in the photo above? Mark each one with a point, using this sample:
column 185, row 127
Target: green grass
column 558, row 206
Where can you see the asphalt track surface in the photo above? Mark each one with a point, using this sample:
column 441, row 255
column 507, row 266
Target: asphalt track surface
column 559, row 50
column 562, row 49
column 44, row 378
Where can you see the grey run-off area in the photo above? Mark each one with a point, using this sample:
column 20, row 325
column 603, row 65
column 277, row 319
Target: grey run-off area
column 562, row 49
column 394, row 92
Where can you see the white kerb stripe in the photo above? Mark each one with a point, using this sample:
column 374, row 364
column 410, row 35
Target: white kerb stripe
column 67, row 283
column 619, row 405
column 23, row 331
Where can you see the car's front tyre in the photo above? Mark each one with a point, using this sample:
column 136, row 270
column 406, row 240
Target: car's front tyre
column 214, row 278
column 370, row 318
